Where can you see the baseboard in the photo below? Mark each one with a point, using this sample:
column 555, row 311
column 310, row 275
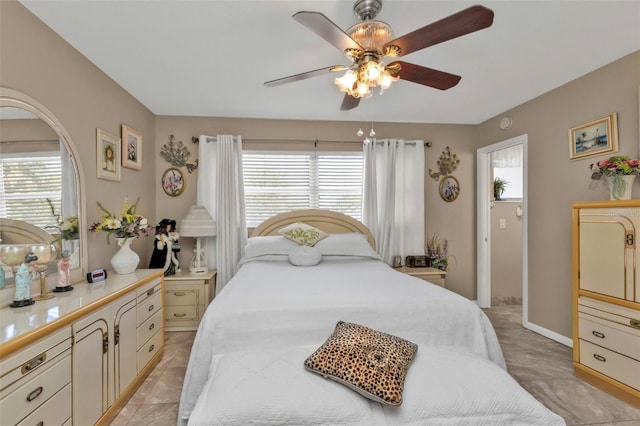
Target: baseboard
column 549, row 334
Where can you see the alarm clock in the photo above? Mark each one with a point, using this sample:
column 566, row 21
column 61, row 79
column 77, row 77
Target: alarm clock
column 97, row 275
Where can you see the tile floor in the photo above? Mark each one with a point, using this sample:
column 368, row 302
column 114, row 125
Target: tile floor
column 543, row 367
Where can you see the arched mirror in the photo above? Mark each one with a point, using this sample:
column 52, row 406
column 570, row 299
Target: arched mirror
column 40, row 181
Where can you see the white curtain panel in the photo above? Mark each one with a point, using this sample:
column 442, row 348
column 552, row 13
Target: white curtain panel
column 221, row 190
column 393, row 196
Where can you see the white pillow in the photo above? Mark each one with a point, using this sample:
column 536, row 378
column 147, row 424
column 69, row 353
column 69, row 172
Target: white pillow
column 347, row 244
column 271, row 244
column 302, row 233
column 305, row 256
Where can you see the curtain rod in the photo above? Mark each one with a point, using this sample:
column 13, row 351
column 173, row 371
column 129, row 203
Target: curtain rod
column 195, row 139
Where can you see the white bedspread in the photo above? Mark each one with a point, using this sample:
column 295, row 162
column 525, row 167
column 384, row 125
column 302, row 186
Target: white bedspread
column 274, row 306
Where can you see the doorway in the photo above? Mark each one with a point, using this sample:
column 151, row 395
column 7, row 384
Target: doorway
column 484, row 193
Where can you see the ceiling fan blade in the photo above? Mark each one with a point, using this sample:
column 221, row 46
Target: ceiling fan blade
column 464, row 22
column 425, row 76
column 304, row 75
column 349, row 102
column 325, row 28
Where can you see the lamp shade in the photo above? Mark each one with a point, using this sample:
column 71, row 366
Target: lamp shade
column 197, row 223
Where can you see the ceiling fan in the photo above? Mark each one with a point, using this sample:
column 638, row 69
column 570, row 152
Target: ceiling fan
column 367, row 42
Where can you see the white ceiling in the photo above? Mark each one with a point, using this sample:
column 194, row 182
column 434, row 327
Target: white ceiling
column 211, row 57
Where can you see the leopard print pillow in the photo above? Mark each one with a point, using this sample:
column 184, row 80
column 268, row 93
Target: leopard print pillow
column 368, row 361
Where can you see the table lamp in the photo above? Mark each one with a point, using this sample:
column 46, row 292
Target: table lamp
column 197, row 223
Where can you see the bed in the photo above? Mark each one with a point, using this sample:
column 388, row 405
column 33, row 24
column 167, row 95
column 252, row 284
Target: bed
column 246, row 364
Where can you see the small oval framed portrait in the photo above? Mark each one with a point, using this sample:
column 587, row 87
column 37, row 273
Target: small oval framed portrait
column 173, row 182
column 449, row 188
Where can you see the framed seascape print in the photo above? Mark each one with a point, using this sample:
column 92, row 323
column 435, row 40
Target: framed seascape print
column 107, row 156
column 131, row 148
column 173, row 182
column 596, row 137
column 449, row 188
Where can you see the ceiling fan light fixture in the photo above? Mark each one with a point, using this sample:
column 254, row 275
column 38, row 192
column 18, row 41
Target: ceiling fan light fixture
column 371, row 35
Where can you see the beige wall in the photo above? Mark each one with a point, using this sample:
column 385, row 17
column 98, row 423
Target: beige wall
column 39, row 63
column 452, row 221
column 555, row 182
column 506, row 254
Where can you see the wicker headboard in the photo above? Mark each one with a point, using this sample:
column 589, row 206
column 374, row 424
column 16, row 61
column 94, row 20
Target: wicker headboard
column 327, row 220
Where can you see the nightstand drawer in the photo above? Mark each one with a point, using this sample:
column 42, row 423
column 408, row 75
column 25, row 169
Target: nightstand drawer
column 432, row 275
column 182, row 313
column 183, row 296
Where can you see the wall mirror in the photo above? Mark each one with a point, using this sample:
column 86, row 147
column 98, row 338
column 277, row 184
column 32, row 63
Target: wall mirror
column 41, row 182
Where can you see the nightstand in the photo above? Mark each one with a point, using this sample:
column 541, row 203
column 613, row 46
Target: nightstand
column 186, row 297
column 433, row 275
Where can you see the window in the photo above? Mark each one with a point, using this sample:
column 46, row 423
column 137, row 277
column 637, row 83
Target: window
column 276, row 182
column 25, row 185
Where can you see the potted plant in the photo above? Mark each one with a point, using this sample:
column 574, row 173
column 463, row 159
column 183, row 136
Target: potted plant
column 499, row 186
column 437, row 251
column 619, row 171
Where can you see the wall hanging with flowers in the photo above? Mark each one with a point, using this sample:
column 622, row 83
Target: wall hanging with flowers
column 124, row 228
column 619, row 172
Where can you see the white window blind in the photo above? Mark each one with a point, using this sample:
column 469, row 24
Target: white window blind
column 25, row 185
column 276, row 182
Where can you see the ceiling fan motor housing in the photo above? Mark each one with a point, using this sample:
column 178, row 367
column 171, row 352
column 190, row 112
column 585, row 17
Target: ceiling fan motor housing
column 367, row 9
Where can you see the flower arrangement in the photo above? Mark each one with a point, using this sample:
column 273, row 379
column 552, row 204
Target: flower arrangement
column 128, row 225
column 437, row 250
column 67, row 227
column 620, row 165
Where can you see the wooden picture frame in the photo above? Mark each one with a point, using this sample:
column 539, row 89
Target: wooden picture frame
column 595, row 137
column 108, row 148
column 449, row 188
column 173, row 182
column 131, row 148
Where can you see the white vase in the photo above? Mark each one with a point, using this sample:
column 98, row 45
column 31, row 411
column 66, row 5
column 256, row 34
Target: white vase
column 620, row 186
column 125, row 261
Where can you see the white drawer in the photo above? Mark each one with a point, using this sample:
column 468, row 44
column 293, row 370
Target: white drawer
column 609, row 363
column 148, row 307
column 619, row 338
column 32, row 358
column 149, row 349
column 33, row 393
column 149, row 289
column 149, row 328
column 182, row 296
column 54, row 412
column 181, row 313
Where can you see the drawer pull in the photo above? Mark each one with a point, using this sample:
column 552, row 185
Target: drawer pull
column 598, row 334
column 152, row 326
column 599, row 357
column 179, row 293
column 634, row 323
column 150, row 308
column 40, row 423
column 180, row 315
column 33, row 363
column 150, row 292
column 36, row 393
column 151, row 348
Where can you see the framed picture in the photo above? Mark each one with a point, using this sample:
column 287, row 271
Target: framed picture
column 107, row 156
column 131, row 148
column 596, row 137
column 173, row 182
column 449, row 188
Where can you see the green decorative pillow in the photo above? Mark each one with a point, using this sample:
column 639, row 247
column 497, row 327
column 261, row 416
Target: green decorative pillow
column 370, row 362
column 303, row 234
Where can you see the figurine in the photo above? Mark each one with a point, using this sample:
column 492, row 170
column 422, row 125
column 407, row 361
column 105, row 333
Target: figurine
column 64, row 275
column 166, row 248
column 23, row 282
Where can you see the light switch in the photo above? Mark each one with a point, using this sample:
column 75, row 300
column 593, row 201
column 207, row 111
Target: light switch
column 503, row 223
